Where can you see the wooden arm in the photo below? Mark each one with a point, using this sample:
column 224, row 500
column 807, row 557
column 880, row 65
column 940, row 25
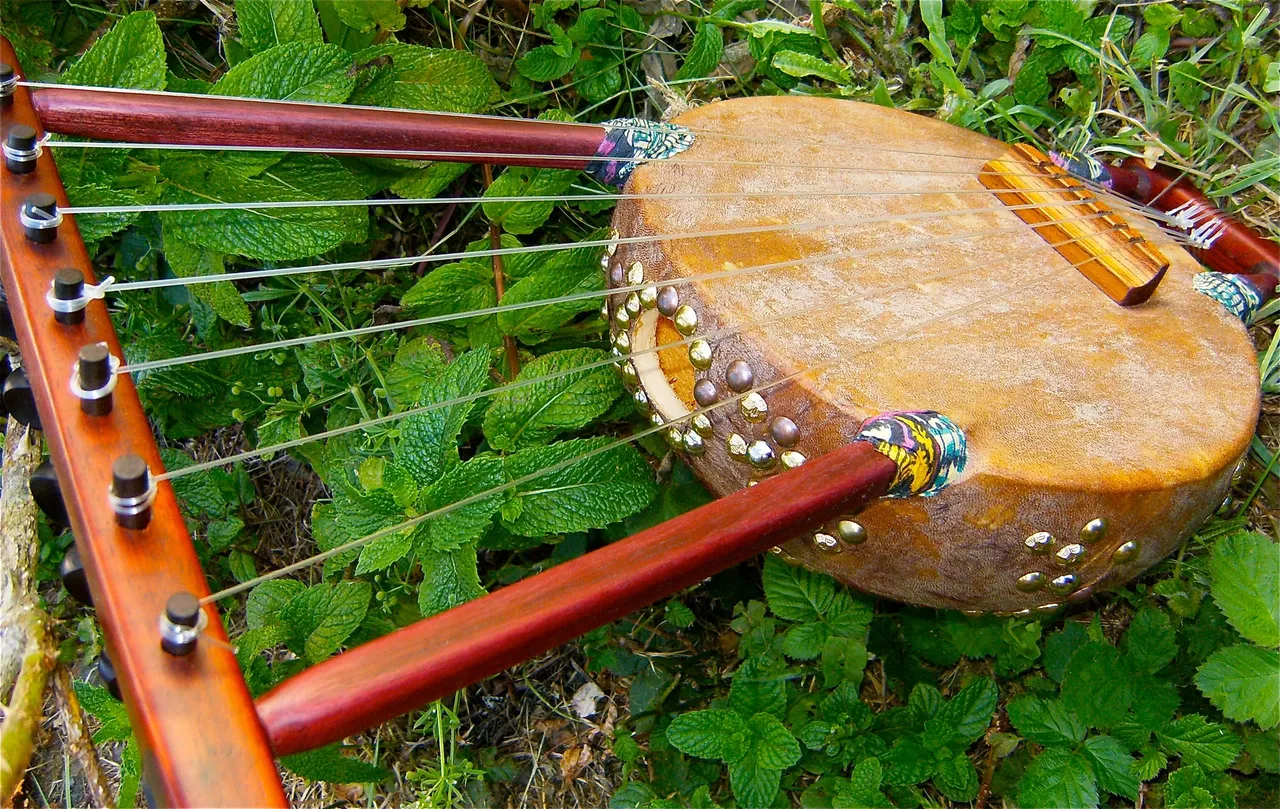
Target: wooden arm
column 136, row 117
column 1238, row 250
column 202, row 744
column 436, row 656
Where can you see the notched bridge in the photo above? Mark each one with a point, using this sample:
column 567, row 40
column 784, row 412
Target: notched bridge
column 1084, row 230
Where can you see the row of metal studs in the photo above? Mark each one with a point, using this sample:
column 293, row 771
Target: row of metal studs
column 93, row 379
column 739, row 377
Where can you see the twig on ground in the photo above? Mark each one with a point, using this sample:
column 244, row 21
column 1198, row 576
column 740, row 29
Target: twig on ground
column 78, row 741
column 26, row 652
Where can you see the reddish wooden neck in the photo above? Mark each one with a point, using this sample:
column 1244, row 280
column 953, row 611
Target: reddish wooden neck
column 435, row 657
column 135, row 117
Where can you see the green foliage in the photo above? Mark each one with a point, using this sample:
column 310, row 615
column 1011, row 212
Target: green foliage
column 1168, row 687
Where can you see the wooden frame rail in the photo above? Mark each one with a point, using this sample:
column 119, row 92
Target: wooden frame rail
column 138, row 117
column 436, row 656
column 193, row 716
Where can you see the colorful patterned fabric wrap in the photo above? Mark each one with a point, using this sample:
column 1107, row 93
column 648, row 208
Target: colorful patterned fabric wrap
column 1082, row 165
column 1236, row 293
column 628, row 142
column 928, row 448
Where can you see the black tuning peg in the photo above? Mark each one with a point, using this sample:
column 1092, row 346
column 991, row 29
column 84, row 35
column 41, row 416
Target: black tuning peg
column 48, row 494
column 107, row 673
column 19, row 400
column 74, row 578
column 6, row 368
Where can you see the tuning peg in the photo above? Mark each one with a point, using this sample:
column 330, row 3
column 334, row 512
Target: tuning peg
column 180, row 624
column 107, row 673
column 74, row 578
column 95, row 379
column 40, row 217
column 132, row 490
column 8, row 83
column 21, row 149
column 47, row 493
column 19, row 399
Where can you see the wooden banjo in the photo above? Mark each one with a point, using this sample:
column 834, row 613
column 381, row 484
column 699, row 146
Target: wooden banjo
column 941, row 369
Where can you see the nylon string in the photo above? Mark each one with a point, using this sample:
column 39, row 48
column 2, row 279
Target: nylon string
column 512, row 386
column 415, row 521
column 186, row 359
column 402, row 261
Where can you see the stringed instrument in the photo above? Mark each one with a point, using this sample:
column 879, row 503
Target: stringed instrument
column 942, row 369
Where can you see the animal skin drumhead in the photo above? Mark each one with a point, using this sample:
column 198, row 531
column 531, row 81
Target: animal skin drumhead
column 1098, row 436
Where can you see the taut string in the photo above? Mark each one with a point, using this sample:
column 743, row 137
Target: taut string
column 415, row 521
column 153, row 365
column 403, row 261
column 714, row 334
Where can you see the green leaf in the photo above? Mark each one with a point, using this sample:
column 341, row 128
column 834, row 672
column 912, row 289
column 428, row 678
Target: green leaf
column 417, row 362
column 1149, row 644
column 968, row 713
column 546, row 63
column 568, row 272
column 862, row 791
column 704, row 53
column 222, row 533
column 421, row 78
column 1112, row 765
column 1058, row 778
column 678, row 615
column 908, row 762
column 1045, row 721
column 278, row 235
column 109, row 711
column 1096, row 687
column 187, row 260
column 534, row 414
column 772, row 745
column 588, row 493
column 714, row 734
column 956, row 778
column 1060, row 647
column 1243, row 682
column 429, row 440
column 753, row 784
column 464, row 524
column 1246, row 585
column 328, row 764
column 804, row 641
column 296, row 71
column 130, row 55
column 384, row 552
column 795, row 593
column 325, row 615
column 266, row 23
column 759, row 687
column 801, row 65
column 1198, row 741
column 523, row 181
column 451, row 288
column 267, row 602
column 1032, row 83
column 366, row 15
column 1184, row 78
column 449, row 578
column 1149, row 48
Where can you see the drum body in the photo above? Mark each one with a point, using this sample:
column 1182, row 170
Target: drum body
column 1098, row 437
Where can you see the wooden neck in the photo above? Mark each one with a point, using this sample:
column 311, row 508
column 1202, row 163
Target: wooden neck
column 433, row 658
column 1238, row 250
column 136, row 117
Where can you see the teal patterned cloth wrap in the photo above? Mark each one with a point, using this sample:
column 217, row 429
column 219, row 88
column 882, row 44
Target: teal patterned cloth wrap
column 929, row 449
column 628, row 142
column 1237, row 294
